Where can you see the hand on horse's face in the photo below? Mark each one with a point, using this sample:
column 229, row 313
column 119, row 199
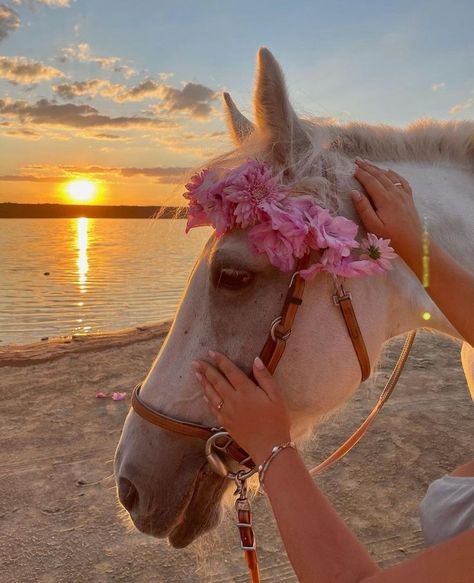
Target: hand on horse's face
column 256, row 416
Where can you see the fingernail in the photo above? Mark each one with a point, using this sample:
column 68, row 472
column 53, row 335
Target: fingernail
column 258, row 363
column 356, row 195
column 196, row 365
column 359, row 159
column 367, row 161
column 212, row 354
column 198, row 376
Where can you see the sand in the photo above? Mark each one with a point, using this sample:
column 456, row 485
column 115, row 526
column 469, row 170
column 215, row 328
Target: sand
column 59, row 519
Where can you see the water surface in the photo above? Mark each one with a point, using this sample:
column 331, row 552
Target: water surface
column 104, row 274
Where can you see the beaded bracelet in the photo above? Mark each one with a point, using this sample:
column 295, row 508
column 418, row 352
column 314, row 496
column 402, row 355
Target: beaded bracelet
column 263, row 467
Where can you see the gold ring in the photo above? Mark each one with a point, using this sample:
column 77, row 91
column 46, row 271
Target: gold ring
column 219, row 406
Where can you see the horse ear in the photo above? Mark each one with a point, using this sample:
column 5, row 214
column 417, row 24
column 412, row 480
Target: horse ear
column 273, row 112
column 239, row 126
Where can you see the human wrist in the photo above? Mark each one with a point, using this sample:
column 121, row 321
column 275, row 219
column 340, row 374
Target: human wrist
column 264, row 448
column 275, row 463
column 412, row 253
column 414, row 260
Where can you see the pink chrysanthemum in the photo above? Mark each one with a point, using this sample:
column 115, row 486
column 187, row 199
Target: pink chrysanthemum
column 264, row 238
column 208, row 205
column 252, row 187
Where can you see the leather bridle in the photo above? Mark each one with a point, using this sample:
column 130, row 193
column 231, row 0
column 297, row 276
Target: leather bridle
column 218, row 440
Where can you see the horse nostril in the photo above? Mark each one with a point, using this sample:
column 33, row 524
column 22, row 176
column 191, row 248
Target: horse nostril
column 128, row 494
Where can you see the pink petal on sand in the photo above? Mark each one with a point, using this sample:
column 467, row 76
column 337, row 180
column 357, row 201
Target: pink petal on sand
column 119, row 396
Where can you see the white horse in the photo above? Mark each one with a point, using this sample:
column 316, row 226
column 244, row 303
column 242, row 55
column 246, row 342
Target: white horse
column 232, row 296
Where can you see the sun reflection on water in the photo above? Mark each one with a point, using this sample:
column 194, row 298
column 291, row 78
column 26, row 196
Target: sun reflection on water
column 82, row 228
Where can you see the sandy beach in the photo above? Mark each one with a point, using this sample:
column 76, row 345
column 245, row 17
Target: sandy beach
column 59, row 517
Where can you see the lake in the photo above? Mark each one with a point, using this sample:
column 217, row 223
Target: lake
column 74, row 276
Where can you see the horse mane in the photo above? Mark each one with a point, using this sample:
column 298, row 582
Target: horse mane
column 425, row 140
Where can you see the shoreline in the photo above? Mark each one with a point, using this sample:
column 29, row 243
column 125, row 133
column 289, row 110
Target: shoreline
column 59, row 346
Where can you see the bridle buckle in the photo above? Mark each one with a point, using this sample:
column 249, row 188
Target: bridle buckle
column 337, row 298
column 273, row 333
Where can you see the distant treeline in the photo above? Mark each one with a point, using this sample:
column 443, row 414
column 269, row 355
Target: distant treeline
column 13, row 210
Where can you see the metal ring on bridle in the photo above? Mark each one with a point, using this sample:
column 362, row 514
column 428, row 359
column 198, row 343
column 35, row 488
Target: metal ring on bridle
column 273, row 326
column 215, row 461
column 219, row 406
column 293, row 277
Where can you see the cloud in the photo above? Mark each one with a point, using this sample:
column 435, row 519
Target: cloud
column 24, row 134
column 50, row 3
column 462, row 106
column 194, row 99
column 48, row 173
column 9, row 21
column 105, row 136
column 164, row 174
column 24, row 71
column 144, row 90
column 126, row 71
column 218, row 135
column 193, row 143
column 171, row 175
column 59, row 3
column 438, row 86
column 82, row 53
column 89, row 88
column 30, row 178
column 69, row 115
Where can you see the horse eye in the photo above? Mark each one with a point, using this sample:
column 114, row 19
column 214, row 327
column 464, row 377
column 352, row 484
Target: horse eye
column 231, row 278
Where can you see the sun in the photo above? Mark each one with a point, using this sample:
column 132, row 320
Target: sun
column 81, row 190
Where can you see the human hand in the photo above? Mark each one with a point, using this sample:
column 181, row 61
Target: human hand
column 392, row 214
column 255, row 415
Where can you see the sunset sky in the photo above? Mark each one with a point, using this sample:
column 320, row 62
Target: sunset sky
column 128, row 93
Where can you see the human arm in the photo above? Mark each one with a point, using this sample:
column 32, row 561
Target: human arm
column 320, row 546
column 389, row 212
column 257, row 418
column 322, row 549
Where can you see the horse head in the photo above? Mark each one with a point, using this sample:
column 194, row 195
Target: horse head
column 230, row 300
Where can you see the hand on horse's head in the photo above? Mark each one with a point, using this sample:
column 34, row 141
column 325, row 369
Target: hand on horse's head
column 256, row 416
column 388, row 210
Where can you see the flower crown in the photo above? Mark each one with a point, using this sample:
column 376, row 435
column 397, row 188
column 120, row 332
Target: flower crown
column 284, row 227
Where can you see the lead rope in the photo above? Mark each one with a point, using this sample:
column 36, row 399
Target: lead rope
column 244, row 524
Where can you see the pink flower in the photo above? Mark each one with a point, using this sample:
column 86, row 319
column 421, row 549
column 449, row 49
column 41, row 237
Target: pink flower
column 378, row 250
column 338, row 233
column 117, row 396
column 208, row 206
column 264, row 238
column 251, row 187
column 290, row 222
